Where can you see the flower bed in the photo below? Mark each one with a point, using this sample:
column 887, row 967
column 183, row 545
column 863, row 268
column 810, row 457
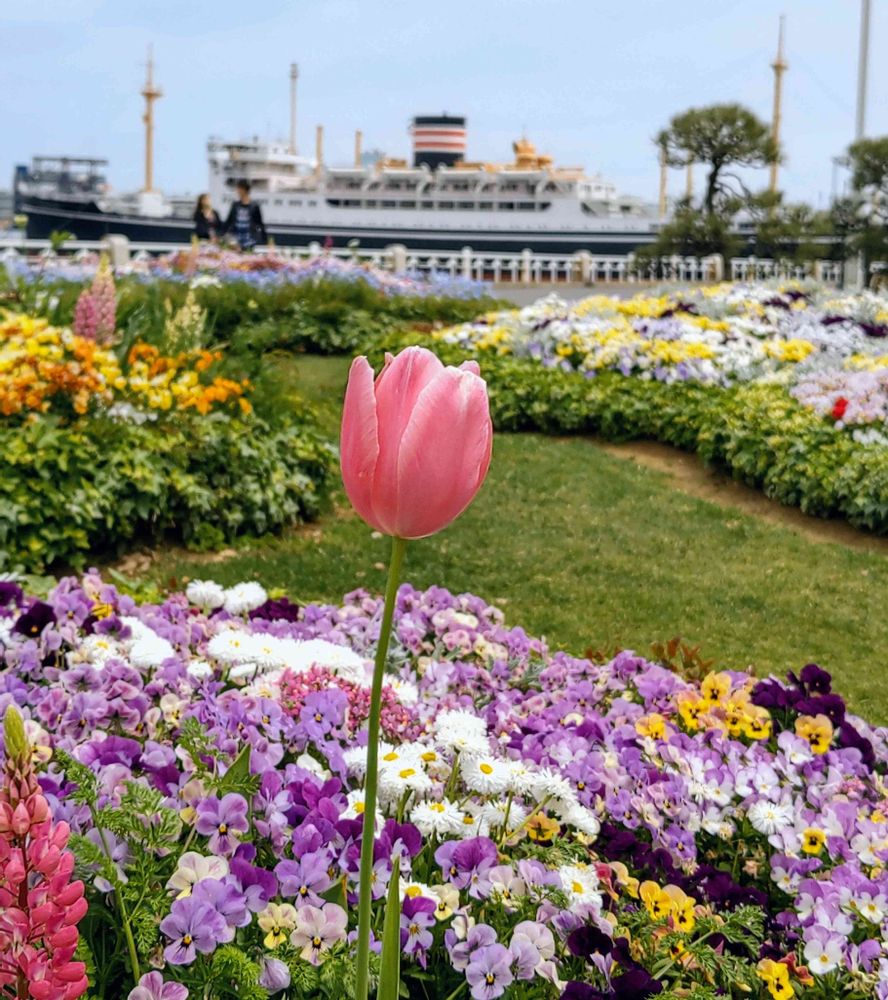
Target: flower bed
column 561, row 827
column 103, row 446
column 254, row 302
column 786, row 389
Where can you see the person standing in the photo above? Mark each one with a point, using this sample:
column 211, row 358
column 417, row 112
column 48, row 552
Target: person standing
column 207, row 223
column 245, row 220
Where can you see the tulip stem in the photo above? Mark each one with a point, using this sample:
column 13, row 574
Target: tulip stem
column 362, row 982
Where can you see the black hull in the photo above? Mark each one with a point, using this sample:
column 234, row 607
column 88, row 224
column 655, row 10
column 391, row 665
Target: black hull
column 87, row 222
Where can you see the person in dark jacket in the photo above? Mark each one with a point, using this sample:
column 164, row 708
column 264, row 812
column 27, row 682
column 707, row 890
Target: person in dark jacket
column 206, row 219
column 245, row 220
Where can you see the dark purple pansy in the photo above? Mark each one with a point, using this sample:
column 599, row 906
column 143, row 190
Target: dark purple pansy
column 34, row 620
column 281, row 609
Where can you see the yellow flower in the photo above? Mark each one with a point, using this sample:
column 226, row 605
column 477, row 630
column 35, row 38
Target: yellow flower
column 690, row 708
column 653, row 725
column 277, row 920
column 542, row 828
column 813, row 840
column 715, row 687
column 682, row 908
column 657, row 902
column 817, row 730
column 756, row 725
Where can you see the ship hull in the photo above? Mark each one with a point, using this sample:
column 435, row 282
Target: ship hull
column 87, row 222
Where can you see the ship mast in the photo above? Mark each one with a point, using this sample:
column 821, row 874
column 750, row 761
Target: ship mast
column 779, row 66
column 151, row 93
column 294, row 76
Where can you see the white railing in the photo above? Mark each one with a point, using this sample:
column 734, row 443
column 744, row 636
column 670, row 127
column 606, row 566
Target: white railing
column 526, row 267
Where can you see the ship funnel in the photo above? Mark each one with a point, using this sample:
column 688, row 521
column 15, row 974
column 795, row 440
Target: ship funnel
column 438, row 140
column 294, row 76
column 319, row 149
column 359, row 136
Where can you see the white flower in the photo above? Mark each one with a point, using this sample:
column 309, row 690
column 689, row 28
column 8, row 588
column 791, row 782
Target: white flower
column 412, row 889
column 395, row 779
column 500, row 812
column 440, row 819
column 407, row 692
column 95, row 649
column 581, row 885
column 769, row 817
column 355, row 760
column 205, row 594
column 308, row 763
column 194, row 868
column 822, row 956
column 583, row 819
column 244, row 597
column 345, row 662
column 460, row 721
column 549, row 784
column 484, row 774
column 147, row 648
column 199, row 669
column 521, row 779
column 355, row 807
column 230, row 646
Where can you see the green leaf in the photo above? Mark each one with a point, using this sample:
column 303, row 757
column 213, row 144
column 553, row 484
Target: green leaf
column 390, row 969
column 236, row 775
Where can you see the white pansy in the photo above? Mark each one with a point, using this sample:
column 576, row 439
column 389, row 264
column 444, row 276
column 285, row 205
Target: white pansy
column 244, row 597
column 205, row 594
column 309, row 763
column 193, row 868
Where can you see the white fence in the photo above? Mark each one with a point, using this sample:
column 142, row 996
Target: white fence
column 526, row 267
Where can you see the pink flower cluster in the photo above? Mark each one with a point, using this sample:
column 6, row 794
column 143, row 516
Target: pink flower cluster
column 396, row 720
column 39, row 904
column 95, row 314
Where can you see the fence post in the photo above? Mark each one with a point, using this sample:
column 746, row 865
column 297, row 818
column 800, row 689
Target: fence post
column 717, row 263
column 398, row 253
column 466, row 262
column 526, row 258
column 118, row 249
column 583, row 266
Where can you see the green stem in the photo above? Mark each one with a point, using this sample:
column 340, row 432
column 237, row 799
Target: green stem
column 121, row 906
column 362, row 983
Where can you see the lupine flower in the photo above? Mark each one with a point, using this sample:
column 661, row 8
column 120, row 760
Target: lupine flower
column 40, row 906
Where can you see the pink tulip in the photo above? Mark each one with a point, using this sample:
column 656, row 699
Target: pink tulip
column 416, row 443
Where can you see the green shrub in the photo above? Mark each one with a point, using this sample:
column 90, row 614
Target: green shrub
column 95, row 486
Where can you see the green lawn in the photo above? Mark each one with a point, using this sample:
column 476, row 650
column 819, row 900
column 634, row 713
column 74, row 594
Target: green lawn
column 592, row 550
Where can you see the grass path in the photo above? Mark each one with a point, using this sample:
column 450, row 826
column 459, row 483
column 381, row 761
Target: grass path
column 591, row 549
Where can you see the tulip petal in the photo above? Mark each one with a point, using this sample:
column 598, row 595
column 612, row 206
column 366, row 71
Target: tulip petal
column 359, row 444
column 397, row 389
column 444, row 453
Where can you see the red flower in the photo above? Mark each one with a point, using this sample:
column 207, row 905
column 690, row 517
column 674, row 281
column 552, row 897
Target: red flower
column 838, row 410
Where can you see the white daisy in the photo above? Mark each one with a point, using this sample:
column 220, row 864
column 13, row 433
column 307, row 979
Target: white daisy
column 244, row 597
column 199, row 669
column 407, row 692
column 769, row 817
column 582, row 819
column 407, row 775
column 484, row 774
column 581, row 885
column 205, row 594
column 440, row 819
column 229, row 646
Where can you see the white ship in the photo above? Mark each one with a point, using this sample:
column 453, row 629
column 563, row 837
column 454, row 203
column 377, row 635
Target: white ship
column 438, row 201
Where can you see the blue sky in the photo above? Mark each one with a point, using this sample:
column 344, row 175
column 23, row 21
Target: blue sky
column 590, row 81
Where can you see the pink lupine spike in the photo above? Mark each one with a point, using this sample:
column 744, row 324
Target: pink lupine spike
column 40, row 905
